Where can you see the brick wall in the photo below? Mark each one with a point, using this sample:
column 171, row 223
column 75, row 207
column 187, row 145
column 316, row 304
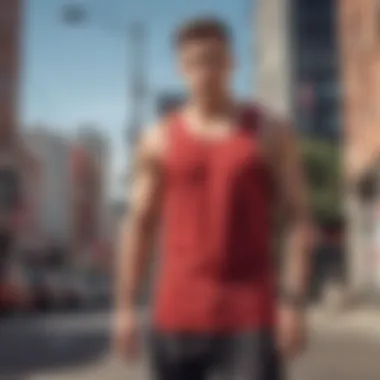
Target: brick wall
column 10, row 22
column 359, row 30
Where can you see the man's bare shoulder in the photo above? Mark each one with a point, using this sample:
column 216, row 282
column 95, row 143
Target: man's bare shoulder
column 278, row 128
column 153, row 140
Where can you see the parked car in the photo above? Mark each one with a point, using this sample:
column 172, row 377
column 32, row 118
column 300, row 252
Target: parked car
column 39, row 290
column 14, row 292
column 72, row 290
column 97, row 290
column 61, row 291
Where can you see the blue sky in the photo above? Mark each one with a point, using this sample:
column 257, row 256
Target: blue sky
column 73, row 75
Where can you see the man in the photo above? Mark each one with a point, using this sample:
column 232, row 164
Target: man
column 213, row 175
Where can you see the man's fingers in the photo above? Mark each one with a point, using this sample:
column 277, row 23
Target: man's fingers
column 127, row 347
column 291, row 348
column 132, row 349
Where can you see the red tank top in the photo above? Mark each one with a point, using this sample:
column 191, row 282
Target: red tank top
column 216, row 272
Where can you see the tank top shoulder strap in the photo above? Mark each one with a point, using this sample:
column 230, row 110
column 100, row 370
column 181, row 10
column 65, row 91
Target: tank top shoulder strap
column 172, row 122
column 252, row 118
column 259, row 122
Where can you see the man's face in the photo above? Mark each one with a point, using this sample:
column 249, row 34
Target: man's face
column 206, row 66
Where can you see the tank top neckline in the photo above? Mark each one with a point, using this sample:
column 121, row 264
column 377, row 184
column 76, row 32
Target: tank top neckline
column 185, row 129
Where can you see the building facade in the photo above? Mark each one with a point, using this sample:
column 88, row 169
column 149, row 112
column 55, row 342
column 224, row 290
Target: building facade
column 71, row 208
column 297, row 63
column 316, row 98
column 90, row 179
column 318, row 62
column 53, row 206
column 273, row 56
column 10, row 58
column 359, row 35
column 18, row 169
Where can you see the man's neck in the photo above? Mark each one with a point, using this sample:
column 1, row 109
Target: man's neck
column 211, row 108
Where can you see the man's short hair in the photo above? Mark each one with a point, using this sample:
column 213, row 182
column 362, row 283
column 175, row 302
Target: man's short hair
column 201, row 29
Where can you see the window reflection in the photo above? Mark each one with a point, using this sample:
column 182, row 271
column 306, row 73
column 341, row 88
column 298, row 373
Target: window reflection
column 316, row 67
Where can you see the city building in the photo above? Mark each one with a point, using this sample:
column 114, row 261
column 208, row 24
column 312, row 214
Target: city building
column 90, row 180
column 54, row 204
column 10, row 58
column 18, row 169
column 297, row 63
column 273, row 56
column 71, row 210
column 359, row 34
column 297, row 77
column 318, row 63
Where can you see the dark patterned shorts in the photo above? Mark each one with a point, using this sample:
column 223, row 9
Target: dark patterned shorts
column 246, row 356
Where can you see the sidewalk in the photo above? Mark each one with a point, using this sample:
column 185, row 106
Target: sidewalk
column 107, row 368
column 361, row 321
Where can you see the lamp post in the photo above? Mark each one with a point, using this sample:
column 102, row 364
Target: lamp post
column 137, row 90
column 76, row 14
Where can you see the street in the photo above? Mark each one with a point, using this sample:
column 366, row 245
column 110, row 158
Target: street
column 75, row 347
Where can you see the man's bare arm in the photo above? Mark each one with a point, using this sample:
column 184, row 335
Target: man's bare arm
column 297, row 242
column 138, row 228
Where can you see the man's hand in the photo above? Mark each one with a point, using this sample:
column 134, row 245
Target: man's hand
column 291, row 331
column 137, row 235
column 127, row 335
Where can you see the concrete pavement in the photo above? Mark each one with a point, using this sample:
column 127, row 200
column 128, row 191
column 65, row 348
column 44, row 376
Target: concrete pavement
column 344, row 346
column 363, row 322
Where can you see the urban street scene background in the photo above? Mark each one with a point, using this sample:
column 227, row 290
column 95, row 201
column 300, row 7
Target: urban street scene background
column 80, row 80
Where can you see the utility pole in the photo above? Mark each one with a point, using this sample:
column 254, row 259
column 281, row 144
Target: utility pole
column 136, row 82
column 76, row 14
column 136, row 89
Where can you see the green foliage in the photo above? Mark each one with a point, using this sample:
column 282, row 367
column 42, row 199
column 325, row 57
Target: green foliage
column 322, row 165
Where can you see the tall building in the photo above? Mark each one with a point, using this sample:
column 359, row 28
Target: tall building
column 273, row 56
column 90, row 159
column 18, row 169
column 297, row 63
column 318, row 63
column 54, row 204
column 10, row 31
column 359, row 47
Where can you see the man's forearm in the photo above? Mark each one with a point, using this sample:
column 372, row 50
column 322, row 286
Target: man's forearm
column 296, row 266
column 134, row 251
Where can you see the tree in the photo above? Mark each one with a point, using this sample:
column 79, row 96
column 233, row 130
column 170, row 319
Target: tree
column 322, row 165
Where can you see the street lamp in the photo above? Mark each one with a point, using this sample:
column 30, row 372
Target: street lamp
column 76, row 14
